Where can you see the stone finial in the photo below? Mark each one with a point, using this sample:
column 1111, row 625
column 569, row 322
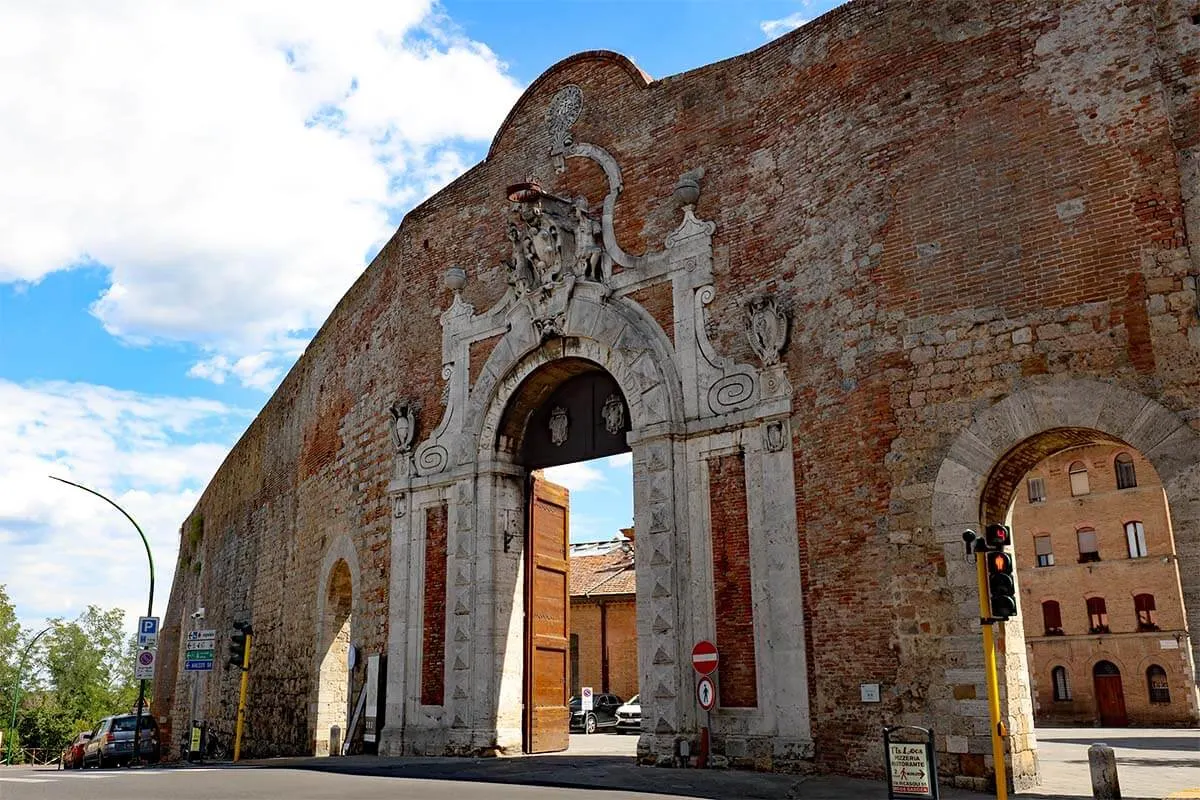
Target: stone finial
column 766, row 328
column 455, row 279
column 687, row 188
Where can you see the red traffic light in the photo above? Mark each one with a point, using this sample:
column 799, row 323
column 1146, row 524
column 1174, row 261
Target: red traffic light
column 1002, row 585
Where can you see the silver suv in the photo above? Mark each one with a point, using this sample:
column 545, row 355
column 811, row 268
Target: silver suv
column 629, row 716
column 112, row 741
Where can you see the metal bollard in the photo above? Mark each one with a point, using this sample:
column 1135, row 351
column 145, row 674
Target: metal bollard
column 1103, row 763
column 335, row 741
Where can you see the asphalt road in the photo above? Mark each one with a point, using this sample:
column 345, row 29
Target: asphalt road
column 264, row 784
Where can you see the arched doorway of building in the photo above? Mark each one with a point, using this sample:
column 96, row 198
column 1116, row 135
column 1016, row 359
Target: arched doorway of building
column 333, row 676
column 1110, row 697
column 568, row 421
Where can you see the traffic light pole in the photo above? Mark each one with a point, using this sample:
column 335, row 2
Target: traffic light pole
column 241, row 714
column 993, row 682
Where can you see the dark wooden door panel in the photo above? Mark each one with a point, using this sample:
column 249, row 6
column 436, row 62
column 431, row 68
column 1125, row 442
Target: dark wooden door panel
column 1110, row 699
column 547, row 627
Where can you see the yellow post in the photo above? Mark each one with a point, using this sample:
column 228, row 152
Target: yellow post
column 993, row 682
column 241, row 717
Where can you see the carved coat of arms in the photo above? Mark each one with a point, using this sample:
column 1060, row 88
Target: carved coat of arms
column 613, row 413
column 559, row 425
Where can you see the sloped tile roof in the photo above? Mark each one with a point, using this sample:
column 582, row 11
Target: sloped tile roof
column 605, row 574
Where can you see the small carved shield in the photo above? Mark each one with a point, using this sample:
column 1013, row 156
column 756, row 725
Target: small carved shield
column 558, row 426
column 614, row 414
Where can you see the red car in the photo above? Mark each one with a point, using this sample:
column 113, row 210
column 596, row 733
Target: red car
column 72, row 757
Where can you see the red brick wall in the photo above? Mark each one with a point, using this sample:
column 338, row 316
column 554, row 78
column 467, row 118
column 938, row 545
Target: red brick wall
column 622, row 644
column 433, row 640
column 738, row 681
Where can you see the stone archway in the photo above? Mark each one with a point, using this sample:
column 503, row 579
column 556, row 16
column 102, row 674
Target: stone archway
column 335, row 613
column 976, row 482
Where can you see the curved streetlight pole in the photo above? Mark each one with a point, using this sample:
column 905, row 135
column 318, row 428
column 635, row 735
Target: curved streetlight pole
column 12, row 726
column 141, row 701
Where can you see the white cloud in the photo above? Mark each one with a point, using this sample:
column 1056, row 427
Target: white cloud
column 775, row 28
column 64, row 549
column 232, row 163
column 579, row 477
column 619, row 461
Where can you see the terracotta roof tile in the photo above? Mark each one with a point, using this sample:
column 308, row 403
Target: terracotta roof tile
column 606, row 574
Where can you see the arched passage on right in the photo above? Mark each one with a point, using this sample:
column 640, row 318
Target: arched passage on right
column 975, row 485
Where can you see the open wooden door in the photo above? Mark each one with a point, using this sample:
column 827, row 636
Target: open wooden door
column 547, row 627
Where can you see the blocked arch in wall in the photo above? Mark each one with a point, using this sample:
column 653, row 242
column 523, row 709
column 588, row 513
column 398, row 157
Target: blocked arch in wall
column 987, row 462
column 337, row 599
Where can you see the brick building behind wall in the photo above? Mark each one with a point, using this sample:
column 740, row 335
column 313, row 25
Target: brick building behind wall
column 604, row 641
column 1100, row 593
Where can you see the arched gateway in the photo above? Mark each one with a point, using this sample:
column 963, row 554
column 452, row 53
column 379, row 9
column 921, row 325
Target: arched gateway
column 462, row 494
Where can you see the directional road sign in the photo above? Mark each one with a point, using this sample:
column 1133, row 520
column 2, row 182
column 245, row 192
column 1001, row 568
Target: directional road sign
column 194, row 666
column 143, row 666
column 704, row 657
column 147, row 631
column 208, row 633
column 706, row 693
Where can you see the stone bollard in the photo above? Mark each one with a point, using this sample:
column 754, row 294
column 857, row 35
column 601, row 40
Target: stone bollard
column 1103, row 763
column 335, row 741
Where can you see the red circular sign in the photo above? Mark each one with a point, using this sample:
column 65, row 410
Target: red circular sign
column 704, row 657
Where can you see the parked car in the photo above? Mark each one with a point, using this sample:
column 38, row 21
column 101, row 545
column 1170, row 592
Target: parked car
column 72, row 757
column 629, row 716
column 111, row 742
column 602, row 715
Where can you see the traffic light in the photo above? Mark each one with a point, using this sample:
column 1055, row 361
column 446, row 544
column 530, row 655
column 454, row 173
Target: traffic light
column 1002, row 587
column 997, row 536
column 237, row 644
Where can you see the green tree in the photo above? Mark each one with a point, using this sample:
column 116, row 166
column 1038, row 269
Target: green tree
column 81, row 671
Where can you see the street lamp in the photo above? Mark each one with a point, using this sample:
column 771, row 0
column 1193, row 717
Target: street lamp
column 12, row 726
column 141, row 701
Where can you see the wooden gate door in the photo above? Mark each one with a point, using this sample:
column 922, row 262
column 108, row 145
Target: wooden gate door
column 547, row 627
column 1111, row 700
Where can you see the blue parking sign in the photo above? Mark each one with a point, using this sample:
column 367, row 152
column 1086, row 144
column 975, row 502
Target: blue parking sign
column 147, row 631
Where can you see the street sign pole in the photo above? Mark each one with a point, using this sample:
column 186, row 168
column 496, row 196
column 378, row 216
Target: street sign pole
column 705, row 659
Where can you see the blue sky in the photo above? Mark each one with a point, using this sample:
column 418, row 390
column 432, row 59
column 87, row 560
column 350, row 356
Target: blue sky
column 190, row 188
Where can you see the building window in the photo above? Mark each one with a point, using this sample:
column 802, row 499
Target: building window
column 1088, row 549
column 1052, row 618
column 1144, row 605
column 1062, row 684
column 1037, row 490
column 1156, row 678
column 1043, row 550
column 1079, row 479
column 1097, row 615
column 1135, row 535
column 1126, row 477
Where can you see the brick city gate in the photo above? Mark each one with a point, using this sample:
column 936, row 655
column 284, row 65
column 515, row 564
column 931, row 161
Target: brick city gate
column 846, row 285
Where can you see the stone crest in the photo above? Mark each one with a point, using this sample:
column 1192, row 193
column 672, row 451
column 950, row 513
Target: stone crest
column 404, row 425
column 554, row 242
column 613, row 413
column 774, row 436
column 564, row 110
column 766, row 328
column 559, row 426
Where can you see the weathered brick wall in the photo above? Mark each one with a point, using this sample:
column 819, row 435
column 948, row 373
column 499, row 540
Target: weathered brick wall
column 738, row 687
column 433, row 639
column 956, row 200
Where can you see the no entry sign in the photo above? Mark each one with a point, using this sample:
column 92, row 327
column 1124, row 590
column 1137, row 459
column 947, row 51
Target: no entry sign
column 704, row 657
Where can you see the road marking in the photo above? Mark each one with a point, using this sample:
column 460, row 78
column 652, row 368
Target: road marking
column 1186, row 793
column 26, row 780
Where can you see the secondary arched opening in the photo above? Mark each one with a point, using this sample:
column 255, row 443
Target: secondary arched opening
column 333, row 677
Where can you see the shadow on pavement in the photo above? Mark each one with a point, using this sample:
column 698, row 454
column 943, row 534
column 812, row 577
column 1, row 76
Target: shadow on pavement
column 618, row 773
